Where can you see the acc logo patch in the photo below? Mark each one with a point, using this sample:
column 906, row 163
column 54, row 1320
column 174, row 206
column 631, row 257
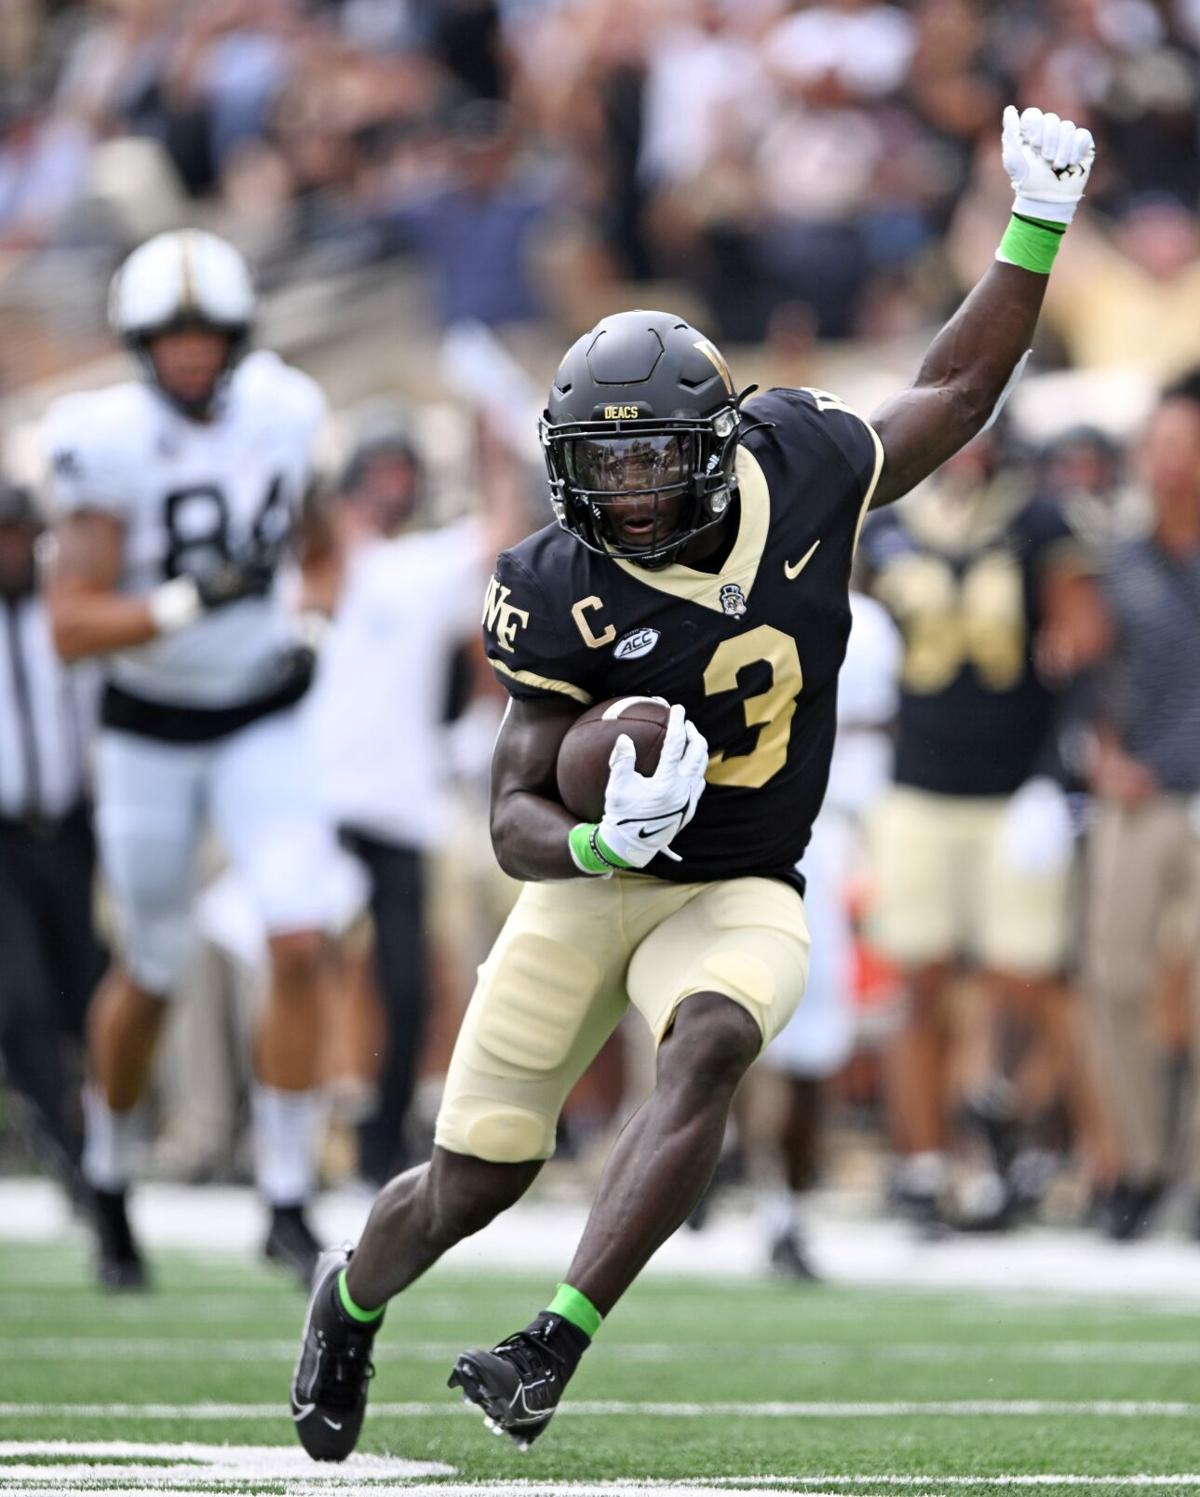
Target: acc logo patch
column 637, row 643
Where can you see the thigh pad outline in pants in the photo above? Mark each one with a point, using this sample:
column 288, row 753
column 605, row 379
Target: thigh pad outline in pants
column 547, row 998
column 746, row 938
column 149, row 800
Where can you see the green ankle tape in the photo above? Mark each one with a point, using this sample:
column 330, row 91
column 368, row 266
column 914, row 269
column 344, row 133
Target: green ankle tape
column 1031, row 243
column 355, row 1312
column 591, row 855
column 576, row 1308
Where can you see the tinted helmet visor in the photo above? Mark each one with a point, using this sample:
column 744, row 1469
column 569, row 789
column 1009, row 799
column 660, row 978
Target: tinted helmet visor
column 638, row 463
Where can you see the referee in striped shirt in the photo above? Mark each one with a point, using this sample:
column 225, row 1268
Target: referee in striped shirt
column 50, row 959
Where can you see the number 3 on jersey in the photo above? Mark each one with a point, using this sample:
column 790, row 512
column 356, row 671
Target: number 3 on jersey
column 770, row 711
column 197, row 526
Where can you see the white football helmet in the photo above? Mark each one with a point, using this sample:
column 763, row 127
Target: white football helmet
column 181, row 278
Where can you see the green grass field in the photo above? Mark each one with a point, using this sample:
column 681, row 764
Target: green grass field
column 689, row 1383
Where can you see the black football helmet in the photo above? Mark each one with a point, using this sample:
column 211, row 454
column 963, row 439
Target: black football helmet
column 644, row 406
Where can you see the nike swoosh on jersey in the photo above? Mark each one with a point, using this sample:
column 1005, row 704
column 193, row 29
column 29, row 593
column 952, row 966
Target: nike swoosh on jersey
column 792, row 569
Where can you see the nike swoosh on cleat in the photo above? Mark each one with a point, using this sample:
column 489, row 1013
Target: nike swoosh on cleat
column 531, row 1416
column 792, row 569
column 330, row 1422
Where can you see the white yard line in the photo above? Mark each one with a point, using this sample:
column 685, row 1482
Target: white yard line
column 203, row 1469
column 440, row 1489
column 332, row 1485
column 190, row 1469
column 103, row 1347
column 25, row 1303
column 953, row 1409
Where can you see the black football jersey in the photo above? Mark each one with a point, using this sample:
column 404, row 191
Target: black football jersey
column 751, row 651
column 962, row 578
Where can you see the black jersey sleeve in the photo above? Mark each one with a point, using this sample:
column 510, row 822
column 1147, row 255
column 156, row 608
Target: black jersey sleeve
column 809, row 417
column 524, row 638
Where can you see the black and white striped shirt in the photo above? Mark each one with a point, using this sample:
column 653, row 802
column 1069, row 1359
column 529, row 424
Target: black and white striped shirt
column 47, row 714
column 1153, row 678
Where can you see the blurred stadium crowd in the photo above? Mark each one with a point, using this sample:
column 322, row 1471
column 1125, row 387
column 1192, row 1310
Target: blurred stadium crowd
column 529, row 154
column 815, row 185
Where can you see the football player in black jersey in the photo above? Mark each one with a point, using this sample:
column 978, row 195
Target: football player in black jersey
column 972, row 845
column 702, row 553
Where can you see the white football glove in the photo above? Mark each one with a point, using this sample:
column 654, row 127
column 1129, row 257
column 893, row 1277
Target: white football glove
column 1048, row 161
column 1036, row 836
column 644, row 813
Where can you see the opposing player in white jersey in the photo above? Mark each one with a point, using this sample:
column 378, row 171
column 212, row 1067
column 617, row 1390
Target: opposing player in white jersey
column 176, row 495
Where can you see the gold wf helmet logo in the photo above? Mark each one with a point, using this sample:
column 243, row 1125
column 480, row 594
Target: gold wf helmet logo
column 621, row 412
column 717, row 359
column 501, row 617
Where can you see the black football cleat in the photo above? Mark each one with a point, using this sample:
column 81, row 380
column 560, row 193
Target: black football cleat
column 924, row 1211
column 329, row 1385
column 517, row 1384
column 120, row 1267
column 789, row 1259
column 291, row 1244
column 1130, row 1210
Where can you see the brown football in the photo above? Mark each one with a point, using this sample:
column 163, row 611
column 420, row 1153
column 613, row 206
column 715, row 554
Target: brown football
column 583, row 754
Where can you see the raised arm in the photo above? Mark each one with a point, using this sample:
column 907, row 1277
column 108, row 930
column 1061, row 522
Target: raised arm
column 976, row 356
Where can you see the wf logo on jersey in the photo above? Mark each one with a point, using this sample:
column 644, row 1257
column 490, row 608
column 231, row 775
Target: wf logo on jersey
column 733, row 600
column 501, row 618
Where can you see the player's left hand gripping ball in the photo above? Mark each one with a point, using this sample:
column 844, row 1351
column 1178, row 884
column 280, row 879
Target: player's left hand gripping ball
column 1048, row 161
column 644, row 813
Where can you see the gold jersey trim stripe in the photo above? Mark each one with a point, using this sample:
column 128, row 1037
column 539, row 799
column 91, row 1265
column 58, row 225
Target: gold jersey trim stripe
column 872, row 486
column 544, row 683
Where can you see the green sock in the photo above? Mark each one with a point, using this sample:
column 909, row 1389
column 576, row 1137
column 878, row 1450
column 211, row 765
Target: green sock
column 355, row 1312
column 577, row 1309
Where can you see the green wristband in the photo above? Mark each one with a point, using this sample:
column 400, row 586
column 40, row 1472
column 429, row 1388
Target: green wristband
column 590, row 853
column 1031, row 243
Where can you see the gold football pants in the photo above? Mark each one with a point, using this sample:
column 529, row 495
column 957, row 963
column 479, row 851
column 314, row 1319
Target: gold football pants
column 572, row 956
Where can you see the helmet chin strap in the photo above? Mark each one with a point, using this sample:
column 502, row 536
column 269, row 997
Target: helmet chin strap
column 720, row 500
column 194, row 410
